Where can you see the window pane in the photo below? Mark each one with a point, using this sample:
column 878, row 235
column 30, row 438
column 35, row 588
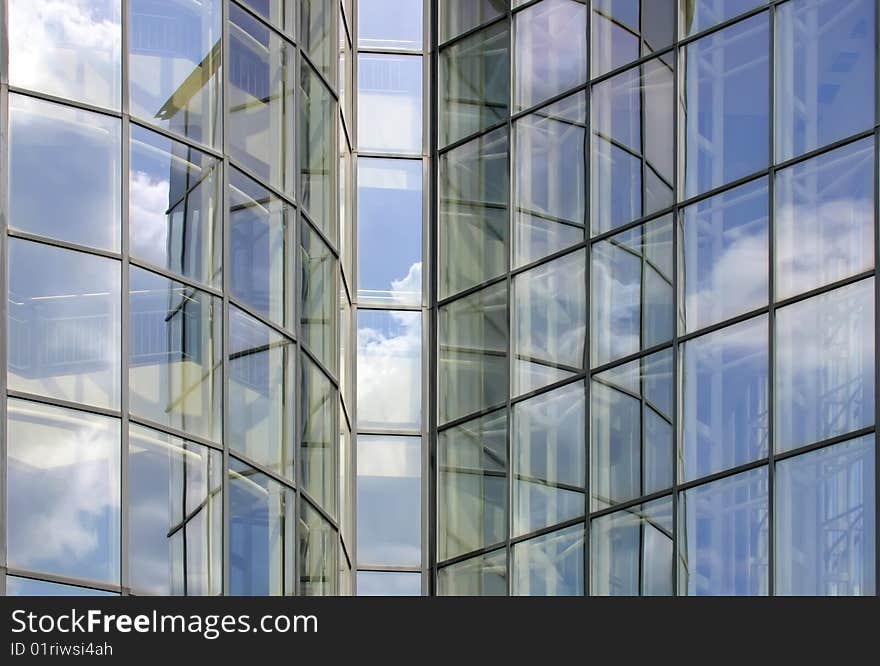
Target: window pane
column 825, row 366
column 389, row 369
column 63, row 494
column 389, row 500
column 725, row 398
column 174, row 207
column 548, row 181
column 474, row 83
column 319, row 293
column 550, row 565
column 825, row 84
column 175, row 515
column 261, row 525
column 699, row 15
column 624, row 30
column 278, row 12
column 389, row 103
column 389, row 209
column 316, row 34
column 389, row 583
column 65, row 178
column 390, row 24
column 261, row 400
column 63, row 324
column 30, row 587
column 71, row 50
column 825, row 219
column 175, row 355
column 825, row 543
column 473, row 353
column 317, row 554
column 473, row 213
column 174, row 66
column 549, row 323
column 548, row 459
column 726, row 121
column 632, row 551
column 458, row 16
column 317, row 158
column 723, row 537
column 472, row 485
column 318, row 445
column 484, row 575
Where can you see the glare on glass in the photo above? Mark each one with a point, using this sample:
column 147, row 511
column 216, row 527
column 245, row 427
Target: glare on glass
column 389, row 103
column 549, row 565
column 318, row 285
column 318, row 444
column 390, row 24
column 317, row 158
column 318, row 572
column 484, row 576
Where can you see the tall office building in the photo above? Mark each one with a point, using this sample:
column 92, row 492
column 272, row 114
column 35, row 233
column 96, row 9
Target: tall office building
column 453, row 297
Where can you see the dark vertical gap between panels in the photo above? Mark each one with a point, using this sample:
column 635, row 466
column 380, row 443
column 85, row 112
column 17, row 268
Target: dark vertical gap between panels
column 4, row 254
column 224, row 346
column 588, row 301
column 351, row 201
column 677, row 375
column 433, row 207
column 771, row 333
column 511, row 73
column 124, row 305
column 295, row 220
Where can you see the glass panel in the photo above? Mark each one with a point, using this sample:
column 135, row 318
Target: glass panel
column 175, row 515
column 318, row 447
column 175, row 355
column 261, row 524
column 825, row 528
column 484, row 575
column 631, row 289
column 389, row 501
column 699, row 15
column 317, row 158
column 825, row 219
column 474, row 83
column 317, row 34
column 63, row 324
column 72, row 49
column 389, row 103
column 389, row 369
column 389, row 583
column 548, row 459
column 725, row 399
column 278, row 12
column 472, row 485
column 458, row 16
column 549, row 323
column 75, row 158
column 319, row 293
column 63, row 492
column 723, row 537
column 826, row 53
column 726, row 105
column 550, row 50
column 174, row 66
column 473, row 353
column 259, row 254
column 395, row 24
column 550, row 565
column 825, row 366
column 174, row 207
column 29, row 587
column 261, row 398
column 624, row 30
column 549, row 199
column 632, row 551
column 317, row 554
column 632, row 430
column 260, row 99
column 389, row 207
column 724, row 255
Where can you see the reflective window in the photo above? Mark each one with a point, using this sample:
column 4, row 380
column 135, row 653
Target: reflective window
column 174, row 66
column 484, row 575
column 278, row 12
column 63, row 493
column 474, row 83
column 826, row 53
column 472, row 485
column 389, row 103
column 631, row 289
column 30, row 587
column 473, row 232
column 175, row 355
column 317, row 554
column 632, row 551
column 261, row 398
column 175, row 515
column 548, row 459
column 723, row 537
column 261, row 528
column 317, row 154
column 389, row 501
column 549, row 323
column 725, row 398
column 631, row 430
column 825, row 526
column 174, row 207
column 389, row 369
column 317, row 34
column 390, row 24
column 318, row 445
column 63, row 324
column 65, row 177
column 473, row 353
column 319, row 293
column 548, row 181
column 699, row 15
column 549, row 565
column 726, row 105
column 71, row 49
column 724, row 255
column 624, row 30
column 825, row 366
column 389, row 199
column 389, row 583
column 459, row 16
column 825, row 219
